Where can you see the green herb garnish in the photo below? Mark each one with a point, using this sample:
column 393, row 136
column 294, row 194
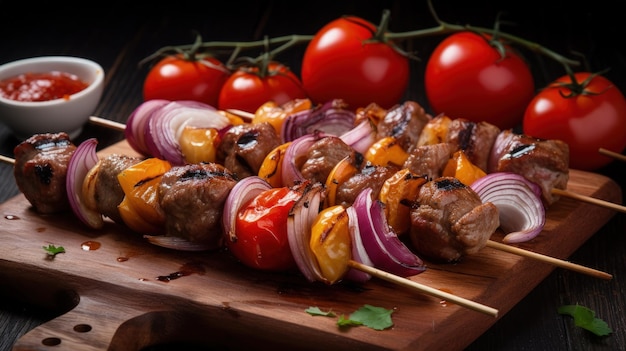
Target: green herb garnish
column 377, row 318
column 52, row 250
column 586, row 318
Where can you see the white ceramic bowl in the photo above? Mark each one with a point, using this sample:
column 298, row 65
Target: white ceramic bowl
column 26, row 118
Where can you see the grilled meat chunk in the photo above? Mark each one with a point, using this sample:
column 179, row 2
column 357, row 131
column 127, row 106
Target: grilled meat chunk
column 40, row 170
column 450, row 221
column 108, row 191
column 371, row 176
column 323, row 155
column 429, row 160
column 192, row 197
column 404, row 123
column 244, row 147
column 475, row 139
column 544, row 162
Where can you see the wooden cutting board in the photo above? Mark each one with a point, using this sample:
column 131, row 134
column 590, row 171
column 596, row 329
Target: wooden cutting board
column 108, row 282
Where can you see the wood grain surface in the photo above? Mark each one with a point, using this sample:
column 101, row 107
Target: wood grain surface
column 112, row 298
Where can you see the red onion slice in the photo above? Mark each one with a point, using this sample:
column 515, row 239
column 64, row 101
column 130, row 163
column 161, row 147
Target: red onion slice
column 167, row 123
column 522, row 214
column 330, row 118
column 241, row 194
column 359, row 253
column 295, row 155
column 299, row 223
column 361, row 137
column 137, row 124
column 82, row 161
column 383, row 246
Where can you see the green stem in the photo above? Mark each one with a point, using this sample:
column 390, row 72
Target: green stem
column 285, row 42
column 446, row 28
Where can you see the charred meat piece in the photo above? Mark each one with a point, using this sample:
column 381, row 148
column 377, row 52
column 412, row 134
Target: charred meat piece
column 40, row 170
column 323, row 155
column 192, row 197
column 244, row 147
column 404, row 123
column 544, row 162
column 475, row 139
column 450, row 221
column 108, row 191
column 371, row 176
column 429, row 160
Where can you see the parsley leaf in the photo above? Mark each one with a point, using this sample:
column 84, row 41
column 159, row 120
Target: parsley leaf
column 52, row 250
column 585, row 318
column 347, row 322
column 315, row 311
column 374, row 317
column 377, row 318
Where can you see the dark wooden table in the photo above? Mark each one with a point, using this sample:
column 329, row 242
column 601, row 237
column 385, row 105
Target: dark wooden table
column 119, row 34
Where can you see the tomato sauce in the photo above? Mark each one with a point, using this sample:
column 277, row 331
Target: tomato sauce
column 41, row 86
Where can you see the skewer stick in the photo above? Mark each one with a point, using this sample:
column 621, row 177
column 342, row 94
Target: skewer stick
column 424, row 289
column 548, row 259
column 6, row 159
column 107, row 123
column 610, row 153
column 589, row 199
column 240, row 113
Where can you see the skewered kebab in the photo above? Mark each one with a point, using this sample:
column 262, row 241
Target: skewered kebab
column 192, row 170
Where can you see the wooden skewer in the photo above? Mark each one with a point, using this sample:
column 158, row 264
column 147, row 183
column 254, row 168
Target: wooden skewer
column 424, row 288
column 107, row 123
column 555, row 261
column 610, row 153
column 589, row 199
column 7, row 159
column 240, row 113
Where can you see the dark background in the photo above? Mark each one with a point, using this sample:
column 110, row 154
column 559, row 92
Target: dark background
column 119, row 34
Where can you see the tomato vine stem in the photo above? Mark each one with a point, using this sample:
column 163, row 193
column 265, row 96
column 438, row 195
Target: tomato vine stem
column 274, row 46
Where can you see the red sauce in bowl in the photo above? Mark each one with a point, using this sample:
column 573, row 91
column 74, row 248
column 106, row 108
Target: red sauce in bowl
column 41, row 86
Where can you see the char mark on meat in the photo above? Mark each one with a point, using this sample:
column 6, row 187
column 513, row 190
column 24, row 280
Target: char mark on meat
column 244, row 147
column 40, row 170
column 404, row 123
column 449, row 221
column 475, row 139
column 192, row 198
column 544, row 162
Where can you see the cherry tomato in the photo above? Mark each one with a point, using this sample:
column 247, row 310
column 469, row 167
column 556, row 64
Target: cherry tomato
column 586, row 115
column 261, row 228
column 468, row 78
column 338, row 64
column 249, row 88
column 178, row 78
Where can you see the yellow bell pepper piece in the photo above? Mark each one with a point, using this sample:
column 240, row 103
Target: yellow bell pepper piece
column 398, row 193
column 270, row 169
column 199, row 144
column 386, row 151
column 342, row 171
column 435, row 131
column 460, row 167
column 331, row 243
column 134, row 221
column 140, row 208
